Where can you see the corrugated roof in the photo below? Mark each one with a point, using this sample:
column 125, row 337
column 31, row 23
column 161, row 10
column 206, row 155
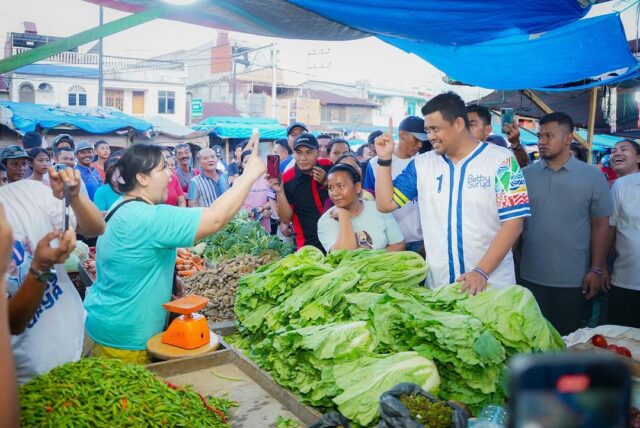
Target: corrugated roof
column 218, row 110
column 327, row 97
column 58, row 71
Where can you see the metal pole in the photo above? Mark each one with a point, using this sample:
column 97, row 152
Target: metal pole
column 592, row 122
column 84, row 37
column 274, row 90
column 100, row 65
column 233, row 66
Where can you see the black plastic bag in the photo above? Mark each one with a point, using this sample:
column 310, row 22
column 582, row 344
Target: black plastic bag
column 331, row 420
column 394, row 415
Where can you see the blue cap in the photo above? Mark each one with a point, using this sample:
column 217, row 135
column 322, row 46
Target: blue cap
column 415, row 125
column 296, row 124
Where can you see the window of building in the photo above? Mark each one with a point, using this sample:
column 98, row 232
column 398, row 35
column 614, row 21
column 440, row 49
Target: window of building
column 114, row 98
column 26, row 93
column 77, row 96
column 166, row 102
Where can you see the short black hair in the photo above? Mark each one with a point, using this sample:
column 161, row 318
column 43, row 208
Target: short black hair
column 284, row 144
column 450, row 106
column 244, row 154
column 557, row 116
column 109, row 168
column 580, row 150
column 483, row 113
column 99, row 143
column 337, row 141
column 323, row 136
column 36, row 151
column 139, row 158
column 360, row 151
column 57, row 151
column 633, row 143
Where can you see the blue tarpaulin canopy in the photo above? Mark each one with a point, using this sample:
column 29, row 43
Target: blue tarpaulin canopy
column 24, row 117
column 498, row 44
column 242, row 127
column 579, row 50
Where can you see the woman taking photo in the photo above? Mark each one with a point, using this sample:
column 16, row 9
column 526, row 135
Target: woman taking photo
column 40, row 164
column 257, row 203
column 353, row 223
column 136, row 255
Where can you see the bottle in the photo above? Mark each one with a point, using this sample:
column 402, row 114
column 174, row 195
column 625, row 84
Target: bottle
column 492, row 416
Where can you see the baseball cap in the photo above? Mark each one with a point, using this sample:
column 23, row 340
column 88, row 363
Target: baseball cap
column 31, row 140
column 306, row 140
column 13, row 152
column 371, row 139
column 415, row 125
column 63, row 137
column 296, row 124
column 83, row 145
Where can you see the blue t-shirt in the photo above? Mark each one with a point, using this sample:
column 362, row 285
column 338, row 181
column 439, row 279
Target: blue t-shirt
column 105, row 197
column 135, row 258
column 91, row 178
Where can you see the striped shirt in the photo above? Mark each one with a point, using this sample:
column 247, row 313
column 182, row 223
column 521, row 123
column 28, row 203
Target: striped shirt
column 462, row 207
column 205, row 189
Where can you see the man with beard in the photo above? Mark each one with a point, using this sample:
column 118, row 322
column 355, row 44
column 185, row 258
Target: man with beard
column 301, row 194
column 210, row 184
column 564, row 242
column 471, row 196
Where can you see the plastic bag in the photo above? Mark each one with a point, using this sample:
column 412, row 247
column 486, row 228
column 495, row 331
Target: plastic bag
column 331, row 420
column 394, row 415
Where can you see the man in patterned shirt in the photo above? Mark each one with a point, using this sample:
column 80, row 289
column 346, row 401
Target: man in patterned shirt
column 472, row 199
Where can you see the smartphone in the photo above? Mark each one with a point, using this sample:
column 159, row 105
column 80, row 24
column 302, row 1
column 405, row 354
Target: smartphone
column 66, row 197
column 507, row 117
column 273, row 166
column 569, row 390
column 60, row 167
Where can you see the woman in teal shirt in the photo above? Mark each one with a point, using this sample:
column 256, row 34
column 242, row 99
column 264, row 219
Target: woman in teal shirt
column 135, row 257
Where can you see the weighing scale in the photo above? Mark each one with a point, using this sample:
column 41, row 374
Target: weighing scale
column 188, row 335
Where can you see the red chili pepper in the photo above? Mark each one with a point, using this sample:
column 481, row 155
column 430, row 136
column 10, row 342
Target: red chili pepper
column 48, row 409
column 214, row 410
column 123, row 401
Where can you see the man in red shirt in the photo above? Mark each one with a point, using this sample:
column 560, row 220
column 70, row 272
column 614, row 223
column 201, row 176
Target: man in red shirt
column 302, row 191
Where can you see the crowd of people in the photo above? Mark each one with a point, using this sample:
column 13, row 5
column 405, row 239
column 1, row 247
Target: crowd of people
column 475, row 206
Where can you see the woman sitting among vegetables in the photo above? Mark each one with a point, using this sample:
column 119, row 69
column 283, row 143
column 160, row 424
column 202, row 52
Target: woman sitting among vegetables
column 136, row 255
column 353, row 223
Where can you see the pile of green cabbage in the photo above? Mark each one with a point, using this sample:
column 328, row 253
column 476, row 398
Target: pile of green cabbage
column 342, row 329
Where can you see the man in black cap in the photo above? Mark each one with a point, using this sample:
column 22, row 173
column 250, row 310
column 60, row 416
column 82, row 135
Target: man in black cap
column 412, row 137
column 293, row 130
column 15, row 159
column 302, row 192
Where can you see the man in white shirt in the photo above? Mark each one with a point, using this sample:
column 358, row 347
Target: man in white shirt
column 472, row 198
column 46, row 315
column 624, row 300
column 412, row 135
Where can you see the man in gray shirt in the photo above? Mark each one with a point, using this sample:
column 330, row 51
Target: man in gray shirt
column 564, row 242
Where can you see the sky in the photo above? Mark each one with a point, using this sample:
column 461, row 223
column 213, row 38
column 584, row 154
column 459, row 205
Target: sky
column 364, row 59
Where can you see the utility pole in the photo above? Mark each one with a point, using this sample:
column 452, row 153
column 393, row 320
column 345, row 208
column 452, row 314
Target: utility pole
column 274, row 90
column 100, row 65
column 233, row 81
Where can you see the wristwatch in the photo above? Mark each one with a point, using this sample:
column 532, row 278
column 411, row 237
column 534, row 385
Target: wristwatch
column 42, row 275
column 384, row 162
